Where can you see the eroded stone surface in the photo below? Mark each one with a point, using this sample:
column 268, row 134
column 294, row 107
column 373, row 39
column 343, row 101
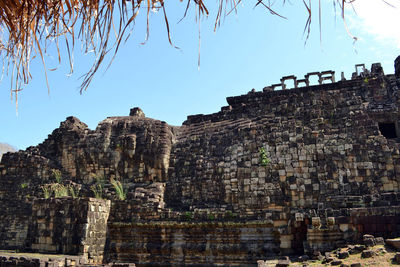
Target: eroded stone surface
column 319, row 165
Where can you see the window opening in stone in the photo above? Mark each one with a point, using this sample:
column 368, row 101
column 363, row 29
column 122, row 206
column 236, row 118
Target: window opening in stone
column 313, row 80
column 290, row 84
column 360, row 68
column 388, row 130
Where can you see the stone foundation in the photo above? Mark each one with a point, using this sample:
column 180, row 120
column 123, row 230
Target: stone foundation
column 191, row 244
column 69, row 226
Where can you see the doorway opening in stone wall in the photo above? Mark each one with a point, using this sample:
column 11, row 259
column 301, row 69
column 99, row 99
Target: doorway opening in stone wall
column 300, row 235
column 388, row 129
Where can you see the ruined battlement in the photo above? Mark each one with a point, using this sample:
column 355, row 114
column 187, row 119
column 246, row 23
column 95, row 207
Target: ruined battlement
column 309, row 168
column 326, row 82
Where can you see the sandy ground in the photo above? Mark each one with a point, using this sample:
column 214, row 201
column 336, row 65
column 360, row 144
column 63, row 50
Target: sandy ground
column 383, row 257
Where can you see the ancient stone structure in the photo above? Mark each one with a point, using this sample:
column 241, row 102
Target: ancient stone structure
column 277, row 171
column 74, row 226
column 207, row 243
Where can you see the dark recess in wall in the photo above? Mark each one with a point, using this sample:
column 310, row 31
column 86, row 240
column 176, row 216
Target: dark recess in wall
column 388, row 130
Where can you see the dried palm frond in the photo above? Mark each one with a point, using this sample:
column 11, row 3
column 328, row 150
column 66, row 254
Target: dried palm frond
column 29, row 27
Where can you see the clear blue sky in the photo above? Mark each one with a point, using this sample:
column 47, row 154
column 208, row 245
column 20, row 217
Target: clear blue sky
column 252, row 49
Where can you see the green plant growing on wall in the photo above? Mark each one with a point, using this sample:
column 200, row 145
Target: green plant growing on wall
column 74, row 191
column 211, row 217
column 60, row 190
column 230, row 215
column 264, row 160
column 188, row 216
column 119, row 189
column 57, row 175
column 24, row 185
column 97, row 188
column 47, row 192
column 119, row 147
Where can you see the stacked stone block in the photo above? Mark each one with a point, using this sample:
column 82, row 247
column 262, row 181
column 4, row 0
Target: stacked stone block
column 321, row 141
column 146, row 203
column 69, row 226
column 291, row 158
column 191, row 243
column 15, row 214
column 133, row 149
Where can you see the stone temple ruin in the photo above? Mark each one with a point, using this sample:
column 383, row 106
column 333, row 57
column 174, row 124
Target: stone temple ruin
column 274, row 172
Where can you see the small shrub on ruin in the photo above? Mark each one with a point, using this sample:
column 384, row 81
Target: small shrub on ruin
column 264, row 160
column 97, row 190
column 47, row 192
column 119, row 147
column 188, row 216
column 57, row 175
column 60, row 190
column 74, row 190
column 119, row 189
column 24, row 185
column 230, row 215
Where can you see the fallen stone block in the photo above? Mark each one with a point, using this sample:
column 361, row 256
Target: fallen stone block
column 343, row 255
column 357, row 249
column 283, row 262
column 379, row 241
column 316, row 255
column 261, row 263
column 369, row 242
column 303, row 258
column 395, row 243
column 367, row 254
column 327, row 260
column 381, row 251
column 397, row 258
column 336, row 262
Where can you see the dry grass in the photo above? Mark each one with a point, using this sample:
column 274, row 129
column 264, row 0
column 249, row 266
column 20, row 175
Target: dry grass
column 30, row 27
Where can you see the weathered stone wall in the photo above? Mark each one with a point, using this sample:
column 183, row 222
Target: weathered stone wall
column 75, row 226
column 15, row 216
column 337, row 227
column 7, row 260
column 15, row 204
column 133, row 149
column 32, row 260
column 145, row 203
column 321, row 141
column 196, row 244
column 284, row 157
